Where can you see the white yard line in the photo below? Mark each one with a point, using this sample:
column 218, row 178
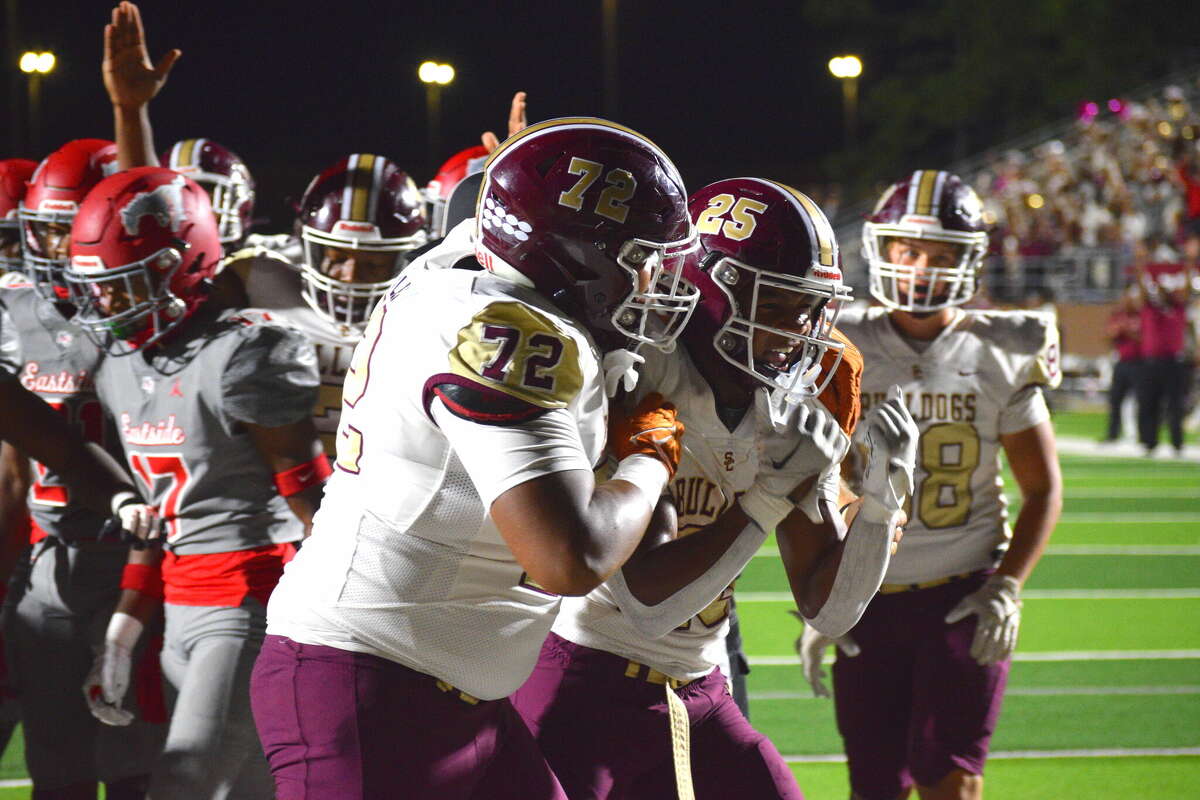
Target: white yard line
column 1116, row 752
column 1129, row 492
column 1126, row 517
column 1034, row 691
column 1082, row 550
column 1031, row 594
column 1044, row 655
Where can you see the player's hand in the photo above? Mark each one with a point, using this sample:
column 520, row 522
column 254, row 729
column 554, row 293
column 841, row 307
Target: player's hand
column 516, row 122
column 139, row 520
column 106, row 684
column 811, row 649
column 998, row 606
column 890, row 436
column 131, row 80
column 651, row 429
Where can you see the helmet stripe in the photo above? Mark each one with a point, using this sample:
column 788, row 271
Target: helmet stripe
column 820, row 231
column 925, row 193
column 376, row 182
column 360, row 182
column 184, row 157
column 348, row 186
column 594, row 122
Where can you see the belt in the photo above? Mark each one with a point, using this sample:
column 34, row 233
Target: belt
column 650, row 675
column 896, row 588
column 459, row 693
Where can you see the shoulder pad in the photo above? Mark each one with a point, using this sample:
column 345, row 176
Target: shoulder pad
column 843, row 394
column 1032, row 335
column 516, row 349
column 478, row 403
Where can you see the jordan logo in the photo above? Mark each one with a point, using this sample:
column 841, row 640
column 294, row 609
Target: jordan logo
column 175, row 390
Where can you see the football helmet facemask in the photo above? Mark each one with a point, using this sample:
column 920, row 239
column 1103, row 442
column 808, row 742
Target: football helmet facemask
column 770, row 280
column 144, row 248
column 14, row 172
column 357, row 221
column 927, row 206
column 594, row 217
column 225, row 177
column 51, row 201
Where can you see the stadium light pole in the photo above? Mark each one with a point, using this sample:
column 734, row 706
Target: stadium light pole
column 847, row 69
column 434, row 76
column 36, row 65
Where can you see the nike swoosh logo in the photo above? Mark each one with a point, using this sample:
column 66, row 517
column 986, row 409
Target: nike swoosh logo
column 781, row 463
column 305, row 476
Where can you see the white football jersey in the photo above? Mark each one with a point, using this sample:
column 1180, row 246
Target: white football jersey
column 717, row 465
column 981, row 378
column 405, row 562
column 273, row 282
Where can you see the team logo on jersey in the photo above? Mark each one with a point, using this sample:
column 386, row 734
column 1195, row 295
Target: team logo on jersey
column 164, row 203
column 152, row 434
column 64, row 338
column 61, row 382
column 148, row 385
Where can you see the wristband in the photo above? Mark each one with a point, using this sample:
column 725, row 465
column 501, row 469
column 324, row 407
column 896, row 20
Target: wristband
column 124, row 630
column 121, row 499
column 144, row 579
column 647, row 473
column 303, row 476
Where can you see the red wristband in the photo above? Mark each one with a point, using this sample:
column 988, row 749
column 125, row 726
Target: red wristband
column 143, row 578
column 298, row 478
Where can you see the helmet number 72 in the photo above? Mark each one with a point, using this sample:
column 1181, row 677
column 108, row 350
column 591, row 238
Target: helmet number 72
column 620, row 186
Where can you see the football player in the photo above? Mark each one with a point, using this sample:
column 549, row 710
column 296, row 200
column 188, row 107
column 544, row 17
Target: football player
column 463, row 503
column 68, row 587
column 919, row 681
column 226, row 178
column 213, row 408
column 771, row 286
column 14, row 172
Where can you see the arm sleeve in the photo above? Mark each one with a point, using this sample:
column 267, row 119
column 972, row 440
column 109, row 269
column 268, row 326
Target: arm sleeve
column 10, row 345
column 271, row 379
column 498, row 458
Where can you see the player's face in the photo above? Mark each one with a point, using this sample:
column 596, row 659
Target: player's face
column 53, row 239
column 358, row 266
column 10, row 243
column 922, row 255
column 118, row 296
column 786, row 311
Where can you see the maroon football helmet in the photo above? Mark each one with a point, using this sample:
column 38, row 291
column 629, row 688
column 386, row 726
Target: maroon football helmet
column 933, row 205
column 14, row 173
column 224, row 176
column 580, row 209
column 55, row 193
column 437, row 191
column 362, row 206
column 769, row 268
column 144, row 247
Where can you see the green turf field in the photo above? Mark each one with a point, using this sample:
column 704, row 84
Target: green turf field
column 1104, row 697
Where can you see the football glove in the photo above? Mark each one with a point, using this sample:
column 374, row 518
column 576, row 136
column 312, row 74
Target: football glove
column 998, row 607
column 811, row 649
column 890, row 435
column 141, row 521
column 620, row 370
column 651, row 429
column 106, row 683
column 786, row 460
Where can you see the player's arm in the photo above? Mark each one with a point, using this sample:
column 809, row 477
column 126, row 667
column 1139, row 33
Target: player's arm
column 15, row 478
column 1033, row 458
column 516, row 122
column 294, row 454
column 132, row 81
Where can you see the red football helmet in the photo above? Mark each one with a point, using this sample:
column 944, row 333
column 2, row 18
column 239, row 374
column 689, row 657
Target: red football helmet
column 932, row 205
column 224, row 176
column 143, row 250
column 770, row 282
column 55, row 193
column 364, row 207
column 14, row 172
column 580, row 209
column 437, row 191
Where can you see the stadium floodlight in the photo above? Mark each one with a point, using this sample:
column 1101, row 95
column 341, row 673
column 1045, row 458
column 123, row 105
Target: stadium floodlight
column 845, row 66
column 39, row 63
column 433, row 72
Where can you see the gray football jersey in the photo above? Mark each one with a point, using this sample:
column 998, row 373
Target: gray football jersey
column 53, row 358
column 980, row 379
column 272, row 282
column 180, row 416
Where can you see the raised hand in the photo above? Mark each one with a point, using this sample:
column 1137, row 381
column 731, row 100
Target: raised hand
column 129, row 77
column 516, row 122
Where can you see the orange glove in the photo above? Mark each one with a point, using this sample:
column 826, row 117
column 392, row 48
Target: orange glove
column 841, row 396
column 651, row 429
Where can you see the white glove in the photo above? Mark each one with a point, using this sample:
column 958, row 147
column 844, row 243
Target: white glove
column 620, row 369
column 999, row 610
column 106, row 683
column 811, row 649
column 140, row 520
column 891, row 437
column 807, row 444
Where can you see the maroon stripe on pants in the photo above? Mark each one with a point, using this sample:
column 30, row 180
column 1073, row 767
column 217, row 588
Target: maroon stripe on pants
column 337, row 724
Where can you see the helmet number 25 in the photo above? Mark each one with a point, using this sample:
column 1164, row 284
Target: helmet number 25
column 620, row 186
column 741, row 221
